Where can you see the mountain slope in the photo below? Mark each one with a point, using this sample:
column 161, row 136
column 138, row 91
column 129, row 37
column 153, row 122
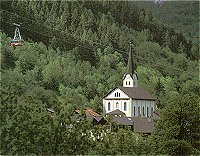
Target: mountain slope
column 181, row 15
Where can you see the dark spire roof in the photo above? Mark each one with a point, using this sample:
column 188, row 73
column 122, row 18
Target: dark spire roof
column 130, row 69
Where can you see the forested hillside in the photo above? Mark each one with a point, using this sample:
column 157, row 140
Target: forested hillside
column 75, row 52
column 181, row 15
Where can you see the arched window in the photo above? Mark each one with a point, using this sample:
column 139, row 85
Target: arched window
column 108, row 106
column 134, row 110
column 129, row 83
column 147, row 111
column 117, row 94
column 143, row 112
column 125, row 106
column 117, row 105
column 126, row 82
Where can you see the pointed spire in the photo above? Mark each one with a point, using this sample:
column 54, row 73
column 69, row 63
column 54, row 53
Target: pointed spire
column 130, row 62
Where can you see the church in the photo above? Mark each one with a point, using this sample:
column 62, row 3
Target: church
column 130, row 98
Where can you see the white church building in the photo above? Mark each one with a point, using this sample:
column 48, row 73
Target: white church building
column 130, row 98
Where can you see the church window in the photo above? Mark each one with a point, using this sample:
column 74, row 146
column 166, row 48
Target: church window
column 147, row 111
column 126, row 82
column 143, row 111
column 108, row 106
column 138, row 110
column 151, row 111
column 134, row 110
column 125, row 106
column 117, row 94
column 117, row 105
column 129, row 83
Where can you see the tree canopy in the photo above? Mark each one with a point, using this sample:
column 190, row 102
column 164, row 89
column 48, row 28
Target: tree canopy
column 75, row 53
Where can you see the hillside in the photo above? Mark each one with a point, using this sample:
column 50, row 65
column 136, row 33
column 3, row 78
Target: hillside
column 181, row 15
column 74, row 54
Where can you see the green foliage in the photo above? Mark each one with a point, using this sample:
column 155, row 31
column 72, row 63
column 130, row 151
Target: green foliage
column 177, row 132
column 120, row 142
column 27, row 127
column 78, row 60
column 181, row 15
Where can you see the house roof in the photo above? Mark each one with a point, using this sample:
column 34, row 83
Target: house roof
column 137, row 93
column 156, row 114
column 116, row 112
column 143, row 125
column 88, row 112
column 122, row 120
column 140, row 124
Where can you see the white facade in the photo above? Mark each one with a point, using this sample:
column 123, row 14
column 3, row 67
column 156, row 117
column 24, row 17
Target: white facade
column 117, row 99
column 144, row 108
column 130, row 81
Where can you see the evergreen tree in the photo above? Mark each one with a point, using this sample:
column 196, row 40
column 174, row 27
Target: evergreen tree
column 177, row 132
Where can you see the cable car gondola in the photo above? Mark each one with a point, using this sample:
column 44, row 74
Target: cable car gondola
column 17, row 40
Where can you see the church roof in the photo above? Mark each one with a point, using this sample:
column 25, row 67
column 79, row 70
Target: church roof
column 137, row 93
column 116, row 112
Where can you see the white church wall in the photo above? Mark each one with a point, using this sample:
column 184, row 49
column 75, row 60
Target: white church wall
column 139, row 104
column 126, row 110
column 104, row 106
column 128, row 81
column 117, row 94
column 114, row 106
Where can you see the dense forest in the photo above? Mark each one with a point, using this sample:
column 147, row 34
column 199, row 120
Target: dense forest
column 75, row 53
column 180, row 15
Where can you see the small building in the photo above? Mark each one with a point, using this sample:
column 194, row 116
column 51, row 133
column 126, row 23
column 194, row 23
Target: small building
column 137, row 124
column 90, row 115
column 130, row 98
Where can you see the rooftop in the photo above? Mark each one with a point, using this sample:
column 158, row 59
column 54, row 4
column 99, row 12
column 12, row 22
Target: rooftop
column 137, row 93
column 116, row 112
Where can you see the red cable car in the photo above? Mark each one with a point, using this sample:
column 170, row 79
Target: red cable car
column 17, row 40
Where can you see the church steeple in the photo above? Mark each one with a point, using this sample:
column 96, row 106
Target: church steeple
column 130, row 78
column 130, row 62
